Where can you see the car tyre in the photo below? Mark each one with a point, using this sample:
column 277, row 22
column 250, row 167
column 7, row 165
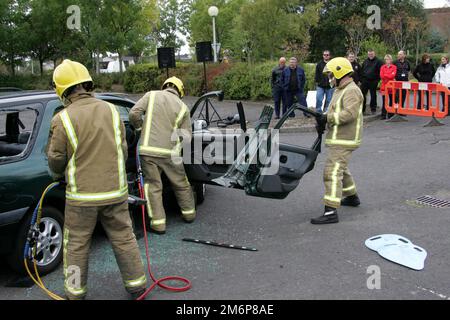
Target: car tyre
column 15, row 259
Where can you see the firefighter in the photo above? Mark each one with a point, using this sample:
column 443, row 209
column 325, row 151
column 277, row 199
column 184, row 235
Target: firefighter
column 345, row 124
column 88, row 146
column 159, row 114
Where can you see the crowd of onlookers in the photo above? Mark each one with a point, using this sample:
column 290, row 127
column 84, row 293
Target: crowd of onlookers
column 288, row 82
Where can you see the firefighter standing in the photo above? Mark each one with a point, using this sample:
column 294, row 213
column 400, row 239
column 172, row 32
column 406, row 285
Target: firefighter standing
column 88, row 145
column 164, row 114
column 345, row 124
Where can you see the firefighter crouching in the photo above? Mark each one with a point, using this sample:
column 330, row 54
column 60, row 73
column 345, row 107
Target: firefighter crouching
column 345, row 123
column 87, row 145
column 159, row 114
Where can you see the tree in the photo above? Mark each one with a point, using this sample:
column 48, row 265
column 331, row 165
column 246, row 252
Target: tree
column 435, row 42
column 12, row 33
column 173, row 19
column 129, row 23
column 330, row 32
column 266, row 28
column 48, row 36
column 200, row 23
column 357, row 32
column 419, row 29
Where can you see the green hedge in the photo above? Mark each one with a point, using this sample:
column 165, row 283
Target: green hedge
column 243, row 82
column 103, row 82
column 27, row 82
column 145, row 77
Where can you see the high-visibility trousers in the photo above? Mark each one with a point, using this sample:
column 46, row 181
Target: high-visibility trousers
column 153, row 167
column 79, row 226
column 338, row 180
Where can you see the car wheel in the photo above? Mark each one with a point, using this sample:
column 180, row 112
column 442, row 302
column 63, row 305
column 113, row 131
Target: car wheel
column 199, row 193
column 50, row 243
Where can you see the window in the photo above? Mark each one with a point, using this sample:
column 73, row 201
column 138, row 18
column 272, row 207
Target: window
column 123, row 112
column 17, row 125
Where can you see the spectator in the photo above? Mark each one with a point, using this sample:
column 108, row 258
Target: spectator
column 424, row 72
column 370, row 77
column 294, row 81
column 356, row 68
column 278, row 93
column 323, row 83
column 387, row 73
column 403, row 69
column 443, row 76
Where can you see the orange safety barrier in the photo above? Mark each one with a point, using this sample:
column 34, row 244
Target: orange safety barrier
column 438, row 96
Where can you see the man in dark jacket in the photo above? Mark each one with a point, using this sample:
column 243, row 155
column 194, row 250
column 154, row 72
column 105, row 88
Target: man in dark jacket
column 424, row 72
column 403, row 69
column 294, row 81
column 356, row 68
column 323, row 83
column 278, row 93
column 370, row 76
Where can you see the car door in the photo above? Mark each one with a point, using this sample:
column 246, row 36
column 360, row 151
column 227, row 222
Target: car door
column 275, row 176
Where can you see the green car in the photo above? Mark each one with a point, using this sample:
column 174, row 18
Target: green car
column 25, row 119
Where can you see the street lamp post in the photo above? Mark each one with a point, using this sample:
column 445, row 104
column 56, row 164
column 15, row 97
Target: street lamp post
column 213, row 12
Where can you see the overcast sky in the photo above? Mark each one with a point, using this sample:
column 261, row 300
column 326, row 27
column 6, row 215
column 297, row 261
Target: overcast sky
column 435, row 3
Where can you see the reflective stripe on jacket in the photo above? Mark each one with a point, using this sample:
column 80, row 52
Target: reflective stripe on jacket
column 160, row 114
column 88, row 144
column 345, row 117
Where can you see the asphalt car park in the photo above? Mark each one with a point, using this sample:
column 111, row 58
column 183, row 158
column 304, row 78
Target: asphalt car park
column 296, row 260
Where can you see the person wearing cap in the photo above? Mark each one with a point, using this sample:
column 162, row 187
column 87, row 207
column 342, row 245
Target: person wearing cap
column 345, row 123
column 87, row 146
column 159, row 115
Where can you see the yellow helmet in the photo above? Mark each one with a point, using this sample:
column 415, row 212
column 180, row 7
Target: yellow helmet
column 340, row 67
column 177, row 83
column 68, row 74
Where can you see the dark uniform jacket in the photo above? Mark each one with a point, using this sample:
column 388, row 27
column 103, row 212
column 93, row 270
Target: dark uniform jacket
column 403, row 69
column 300, row 83
column 424, row 72
column 370, row 70
column 276, row 79
column 320, row 78
column 356, row 72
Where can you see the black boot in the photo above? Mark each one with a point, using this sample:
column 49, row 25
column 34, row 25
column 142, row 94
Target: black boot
column 352, row 201
column 330, row 216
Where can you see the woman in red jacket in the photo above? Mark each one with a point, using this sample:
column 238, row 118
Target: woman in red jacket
column 387, row 73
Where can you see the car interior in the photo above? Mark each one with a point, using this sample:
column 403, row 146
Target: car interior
column 15, row 131
column 293, row 161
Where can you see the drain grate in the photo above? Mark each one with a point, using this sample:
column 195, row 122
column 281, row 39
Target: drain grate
column 433, row 202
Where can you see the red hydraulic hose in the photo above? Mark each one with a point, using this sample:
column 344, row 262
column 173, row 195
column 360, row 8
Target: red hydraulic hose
column 158, row 282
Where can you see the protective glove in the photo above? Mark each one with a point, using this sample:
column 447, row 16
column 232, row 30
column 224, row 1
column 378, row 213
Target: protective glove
column 321, row 124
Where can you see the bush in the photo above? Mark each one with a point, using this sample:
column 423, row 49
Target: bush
column 102, row 82
column 141, row 78
column 240, row 82
column 236, row 82
column 27, row 82
column 145, row 77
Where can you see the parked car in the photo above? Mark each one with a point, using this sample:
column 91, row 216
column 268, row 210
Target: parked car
column 25, row 120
